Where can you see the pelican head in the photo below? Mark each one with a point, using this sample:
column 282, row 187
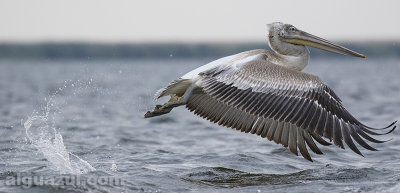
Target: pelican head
column 286, row 39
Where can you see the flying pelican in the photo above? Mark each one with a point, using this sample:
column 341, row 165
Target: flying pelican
column 265, row 93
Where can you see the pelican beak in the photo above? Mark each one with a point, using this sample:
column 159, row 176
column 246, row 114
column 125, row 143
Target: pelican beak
column 306, row 39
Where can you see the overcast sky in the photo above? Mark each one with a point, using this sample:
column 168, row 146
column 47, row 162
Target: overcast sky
column 194, row 21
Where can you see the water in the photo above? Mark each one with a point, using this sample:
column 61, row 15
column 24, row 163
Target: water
column 61, row 119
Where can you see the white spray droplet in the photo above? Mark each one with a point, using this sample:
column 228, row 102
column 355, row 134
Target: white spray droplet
column 113, row 166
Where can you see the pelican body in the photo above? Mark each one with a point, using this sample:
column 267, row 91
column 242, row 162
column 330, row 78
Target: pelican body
column 265, row 93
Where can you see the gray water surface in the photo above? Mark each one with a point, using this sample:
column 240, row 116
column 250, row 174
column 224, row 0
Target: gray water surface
column 97, row 108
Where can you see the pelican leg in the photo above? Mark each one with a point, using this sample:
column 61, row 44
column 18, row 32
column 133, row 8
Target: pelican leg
column 172, row 103
column 157, row 111
column 182, row 100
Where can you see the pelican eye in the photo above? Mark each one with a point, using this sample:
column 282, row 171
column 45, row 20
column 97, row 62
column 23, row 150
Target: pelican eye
column 292, row 29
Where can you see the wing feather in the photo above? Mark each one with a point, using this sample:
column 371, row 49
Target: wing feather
column 311, row 143
column 320, row 128
column 301, row 144
column 313, row 123
column 348, row 140
column 271, row 130
column 337, row 133
column 285, row 134
column 278, row 132
column 293, row 139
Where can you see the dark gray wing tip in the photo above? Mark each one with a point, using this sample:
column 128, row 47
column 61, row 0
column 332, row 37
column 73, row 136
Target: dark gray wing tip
column 368, row 130
column 393, row 123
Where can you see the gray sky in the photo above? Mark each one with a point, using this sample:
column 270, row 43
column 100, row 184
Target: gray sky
column 194, row 21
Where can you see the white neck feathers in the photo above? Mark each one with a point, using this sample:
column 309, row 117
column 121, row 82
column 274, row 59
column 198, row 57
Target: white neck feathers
column 294, row 62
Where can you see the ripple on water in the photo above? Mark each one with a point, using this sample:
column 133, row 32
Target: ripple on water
column 228, row 178
column 165, row 119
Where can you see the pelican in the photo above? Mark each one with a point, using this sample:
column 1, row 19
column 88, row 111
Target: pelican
column 267, row 94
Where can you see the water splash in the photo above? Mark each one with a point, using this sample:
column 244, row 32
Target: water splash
column 42, row 133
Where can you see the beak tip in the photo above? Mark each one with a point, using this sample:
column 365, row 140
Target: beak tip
column 363, row 56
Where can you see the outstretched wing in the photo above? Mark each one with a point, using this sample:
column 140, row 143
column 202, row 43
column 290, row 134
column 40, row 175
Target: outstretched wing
column 290, row 107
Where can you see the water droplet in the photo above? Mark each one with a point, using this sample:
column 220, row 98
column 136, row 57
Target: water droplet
column 113, row 166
